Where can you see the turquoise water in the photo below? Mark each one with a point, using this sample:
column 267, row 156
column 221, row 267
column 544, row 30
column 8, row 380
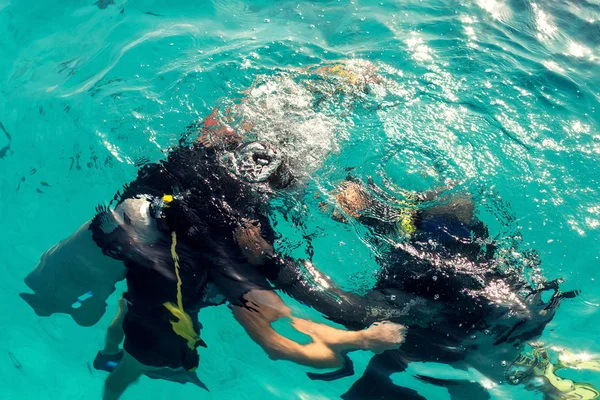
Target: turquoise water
column 498, row 95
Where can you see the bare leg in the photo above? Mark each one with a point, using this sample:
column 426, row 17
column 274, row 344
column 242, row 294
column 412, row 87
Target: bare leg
column 127, row 372
column 115, row 334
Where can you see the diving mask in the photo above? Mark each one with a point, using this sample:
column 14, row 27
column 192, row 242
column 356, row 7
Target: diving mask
column 258, row 162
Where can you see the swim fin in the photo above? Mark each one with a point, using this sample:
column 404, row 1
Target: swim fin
column 177, row 375
column 108, row 362
column 346, row 370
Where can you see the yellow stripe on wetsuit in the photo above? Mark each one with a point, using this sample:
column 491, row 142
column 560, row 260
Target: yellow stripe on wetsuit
column 183, row 326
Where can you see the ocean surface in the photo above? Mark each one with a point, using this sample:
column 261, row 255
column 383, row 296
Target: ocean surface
column 500, row 96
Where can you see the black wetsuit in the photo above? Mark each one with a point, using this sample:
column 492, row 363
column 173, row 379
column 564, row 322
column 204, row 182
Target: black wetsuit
column 208, row 205
column 436, row 284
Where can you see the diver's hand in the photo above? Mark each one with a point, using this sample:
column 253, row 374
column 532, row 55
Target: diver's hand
column 382, row 336
column 253, row 246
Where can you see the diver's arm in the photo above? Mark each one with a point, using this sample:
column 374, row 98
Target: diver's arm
column 301, row 280
column 328, row 344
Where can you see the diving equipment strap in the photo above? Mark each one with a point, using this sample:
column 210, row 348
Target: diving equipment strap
column 183, row 326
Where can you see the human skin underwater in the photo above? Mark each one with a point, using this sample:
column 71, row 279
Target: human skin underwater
column 482, row 318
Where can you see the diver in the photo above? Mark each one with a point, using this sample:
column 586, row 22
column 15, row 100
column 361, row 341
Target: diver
column 189, row 232
column 441, row 276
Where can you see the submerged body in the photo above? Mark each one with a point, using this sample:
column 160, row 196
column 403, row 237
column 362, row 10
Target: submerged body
column 442, row 278
column 192, row 232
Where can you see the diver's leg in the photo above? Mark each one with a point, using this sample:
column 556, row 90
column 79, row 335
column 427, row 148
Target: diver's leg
column 459, row 389
column 108, row 358
column 376, row 382
column 115, row 334
column 467, row 390
column 127, row 372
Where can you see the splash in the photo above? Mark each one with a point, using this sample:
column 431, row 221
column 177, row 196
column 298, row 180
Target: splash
column 545, row 25
column 420, row 51
column 280, row 110
column 497, row 9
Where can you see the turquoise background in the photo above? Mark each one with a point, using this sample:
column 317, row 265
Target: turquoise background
column 500, row 95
